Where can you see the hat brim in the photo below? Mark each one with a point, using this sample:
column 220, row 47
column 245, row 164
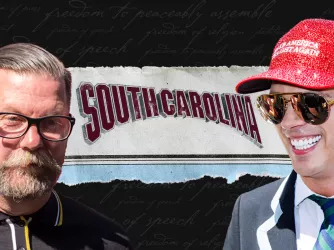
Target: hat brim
column 304, row 78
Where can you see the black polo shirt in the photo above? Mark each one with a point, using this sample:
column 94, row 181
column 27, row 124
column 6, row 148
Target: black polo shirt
column 61, row 223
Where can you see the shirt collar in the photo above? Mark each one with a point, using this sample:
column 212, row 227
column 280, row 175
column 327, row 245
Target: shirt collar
column 50, row 214
column 302, row 191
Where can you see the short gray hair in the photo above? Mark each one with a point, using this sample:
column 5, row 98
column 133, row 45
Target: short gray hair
column 25, row 58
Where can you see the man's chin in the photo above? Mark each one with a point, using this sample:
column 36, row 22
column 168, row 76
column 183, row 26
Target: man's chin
column 28, row 197
column 21, row 197
column 307, row 169
column 25, row 189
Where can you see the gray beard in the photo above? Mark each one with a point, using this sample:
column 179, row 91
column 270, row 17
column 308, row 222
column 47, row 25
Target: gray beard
column 28, row 176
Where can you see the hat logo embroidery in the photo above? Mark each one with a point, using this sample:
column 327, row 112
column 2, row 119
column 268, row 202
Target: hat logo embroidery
column 298, row 46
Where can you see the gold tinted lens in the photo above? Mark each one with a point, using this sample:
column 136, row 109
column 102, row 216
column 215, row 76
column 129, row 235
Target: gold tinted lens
column 271, row 107
column 313, row 108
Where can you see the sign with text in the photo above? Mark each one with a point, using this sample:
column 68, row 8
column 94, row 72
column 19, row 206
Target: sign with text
column 158, row 114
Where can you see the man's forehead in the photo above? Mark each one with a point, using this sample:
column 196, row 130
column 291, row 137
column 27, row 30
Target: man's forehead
column 282, row 87
column 17, row 76
column 28, row 80
column 18, row 89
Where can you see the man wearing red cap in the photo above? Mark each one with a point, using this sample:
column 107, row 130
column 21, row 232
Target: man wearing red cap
column 296, row 212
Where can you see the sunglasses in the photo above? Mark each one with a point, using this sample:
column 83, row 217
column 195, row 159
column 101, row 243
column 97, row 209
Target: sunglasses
column 310, row 107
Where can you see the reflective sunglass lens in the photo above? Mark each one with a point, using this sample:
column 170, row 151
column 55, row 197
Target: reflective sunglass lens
column 271, row 107
column 310, row 107
column 313, row 108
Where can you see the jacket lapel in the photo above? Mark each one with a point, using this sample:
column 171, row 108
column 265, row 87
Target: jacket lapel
column 283, row 234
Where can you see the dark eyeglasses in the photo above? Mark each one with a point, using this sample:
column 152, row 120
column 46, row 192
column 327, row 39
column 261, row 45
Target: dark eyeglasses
column 51, row 128
column 310, row 107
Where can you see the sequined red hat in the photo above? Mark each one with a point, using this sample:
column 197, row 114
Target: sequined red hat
column 303, row 57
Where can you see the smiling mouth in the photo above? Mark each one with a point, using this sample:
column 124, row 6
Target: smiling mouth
column 305, row 143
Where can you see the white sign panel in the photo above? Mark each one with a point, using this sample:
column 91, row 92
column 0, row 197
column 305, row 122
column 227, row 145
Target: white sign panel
column 168, row 115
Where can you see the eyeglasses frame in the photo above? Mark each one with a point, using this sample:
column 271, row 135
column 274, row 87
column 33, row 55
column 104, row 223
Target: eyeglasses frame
column 37, row 121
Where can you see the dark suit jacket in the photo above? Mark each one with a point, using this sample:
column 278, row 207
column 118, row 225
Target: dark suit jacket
column 263, row 219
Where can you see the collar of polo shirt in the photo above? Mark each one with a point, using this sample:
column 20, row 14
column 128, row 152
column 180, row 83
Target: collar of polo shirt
column 50, row 214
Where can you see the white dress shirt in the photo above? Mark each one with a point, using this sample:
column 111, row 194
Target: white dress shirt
column 308, row 217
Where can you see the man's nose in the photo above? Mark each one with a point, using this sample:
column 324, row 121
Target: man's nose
column 32, row 140
column 291, row 119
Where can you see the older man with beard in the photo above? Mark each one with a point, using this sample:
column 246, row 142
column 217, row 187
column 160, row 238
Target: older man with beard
column 35, row 123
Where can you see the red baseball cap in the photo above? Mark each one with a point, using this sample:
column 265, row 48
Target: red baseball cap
column 303, row 57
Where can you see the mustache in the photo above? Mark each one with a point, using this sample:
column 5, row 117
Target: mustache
column 28, row 175
column 23, row 158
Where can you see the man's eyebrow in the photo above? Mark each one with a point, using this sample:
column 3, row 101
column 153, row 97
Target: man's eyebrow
column 327, row 95
column 55, row 113
column 17, row 111
column 277, row 92
column 314, row 91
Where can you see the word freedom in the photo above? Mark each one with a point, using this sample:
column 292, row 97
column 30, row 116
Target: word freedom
column 118, row 104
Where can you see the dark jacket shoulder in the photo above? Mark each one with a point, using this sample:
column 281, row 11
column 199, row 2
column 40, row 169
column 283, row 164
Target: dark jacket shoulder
column 84, row 218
